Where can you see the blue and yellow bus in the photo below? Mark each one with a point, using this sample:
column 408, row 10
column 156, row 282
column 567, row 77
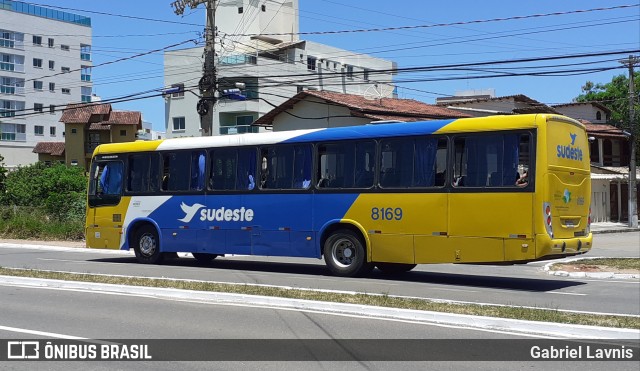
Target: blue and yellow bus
column 498, row 189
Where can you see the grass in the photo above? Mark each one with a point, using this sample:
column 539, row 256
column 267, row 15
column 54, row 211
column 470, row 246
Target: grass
column 34, row 223
column 610, row 264
column 531, row 314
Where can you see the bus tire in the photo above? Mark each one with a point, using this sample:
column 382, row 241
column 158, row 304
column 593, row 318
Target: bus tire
column 147, row 245
column 394, row 268
column 204, row 257
column 345, row 254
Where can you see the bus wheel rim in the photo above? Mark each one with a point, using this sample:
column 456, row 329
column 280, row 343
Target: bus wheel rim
column 147, row 244
column 343, row 252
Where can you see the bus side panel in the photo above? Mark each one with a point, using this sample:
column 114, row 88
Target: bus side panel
column 492, row 220
column 392, row 219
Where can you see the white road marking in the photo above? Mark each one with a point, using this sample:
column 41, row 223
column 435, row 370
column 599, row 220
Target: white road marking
column 41, row 333
column 565, row 293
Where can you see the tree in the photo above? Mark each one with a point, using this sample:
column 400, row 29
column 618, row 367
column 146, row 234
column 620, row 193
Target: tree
column 613, row 95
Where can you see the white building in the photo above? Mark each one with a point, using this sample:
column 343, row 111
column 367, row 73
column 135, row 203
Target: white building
column 45, row 65
column 258, row 47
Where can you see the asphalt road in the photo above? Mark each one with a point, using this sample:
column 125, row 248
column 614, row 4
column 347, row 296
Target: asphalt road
column 526, row 285
column 94, row 315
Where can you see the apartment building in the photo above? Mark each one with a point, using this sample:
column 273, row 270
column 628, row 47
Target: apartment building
column 45, row 64
column 260, row 53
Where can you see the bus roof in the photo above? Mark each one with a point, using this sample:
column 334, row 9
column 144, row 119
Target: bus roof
column 478, row 124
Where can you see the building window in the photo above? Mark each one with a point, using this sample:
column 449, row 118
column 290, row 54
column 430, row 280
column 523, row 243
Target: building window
column 264, row 8
column 598, row 115
column 37, row 40
column 240, row 10
column 38, row 130
column 85, row 94
column 50, row 42
column 66, row 91
column 52, row 131
column 37, row 85
column 123, row 133
column 52, row 65
column 37, row 62
column 37, row 107
column 365, row 74
column 52, row 86
column 85, row 73
column 13, row 132
column 64, row 47
column 311, row 63
column 85, row 52
column 7, row 63
column 350, row 72
column 74, row 131
column 65, row 69
column 7, row 39
column 179, row 124
column 52, row 108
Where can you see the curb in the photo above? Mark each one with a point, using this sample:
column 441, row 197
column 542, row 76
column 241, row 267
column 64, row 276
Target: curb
column 622, row 230
column 600, row 275
column 557, row 330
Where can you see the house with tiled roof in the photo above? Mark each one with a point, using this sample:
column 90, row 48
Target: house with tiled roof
column 86, row 127
column 487, row 106
column 610, row 154
column 593, row 112
column 323, row 109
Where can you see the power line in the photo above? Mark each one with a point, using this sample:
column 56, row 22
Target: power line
column 380, row 29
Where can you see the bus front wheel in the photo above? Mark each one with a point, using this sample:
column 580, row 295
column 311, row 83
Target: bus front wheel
column 394, row 268
column 147, row 245
column 345, row 255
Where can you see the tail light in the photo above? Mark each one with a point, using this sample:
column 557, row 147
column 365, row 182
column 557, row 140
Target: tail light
column 589, row 221
column 548, row 221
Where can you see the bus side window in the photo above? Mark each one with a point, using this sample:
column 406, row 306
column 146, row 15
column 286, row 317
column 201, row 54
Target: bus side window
column 495, row 160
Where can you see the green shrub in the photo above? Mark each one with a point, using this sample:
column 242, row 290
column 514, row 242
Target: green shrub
column 35, row 223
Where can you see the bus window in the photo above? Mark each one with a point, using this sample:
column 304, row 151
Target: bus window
column 418, row 163
column 198, row 161
column 109, row 179
column 346, row 165
column 430, row 162
column 223, row 169
column 246, row 169
column 142, row 174
column 178, row 177
column 105, row 186
column 286, row 167
column 497, row 160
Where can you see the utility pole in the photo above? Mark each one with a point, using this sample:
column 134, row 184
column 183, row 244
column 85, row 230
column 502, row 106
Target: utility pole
column 633, row 129
column 208, row 82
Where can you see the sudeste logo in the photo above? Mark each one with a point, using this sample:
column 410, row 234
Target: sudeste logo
column 221, row 214
column 570, row 152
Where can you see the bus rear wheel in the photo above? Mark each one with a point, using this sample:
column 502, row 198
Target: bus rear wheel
column 345, row 255
column 394, row 268
column 147, row 245
column 203, row 257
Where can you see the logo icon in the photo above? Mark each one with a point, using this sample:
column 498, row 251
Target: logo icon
column 573, row 138
column 23, row 350
column 190, row 211
column 566, row 197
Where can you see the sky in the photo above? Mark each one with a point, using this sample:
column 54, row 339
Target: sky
column 431, row 34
